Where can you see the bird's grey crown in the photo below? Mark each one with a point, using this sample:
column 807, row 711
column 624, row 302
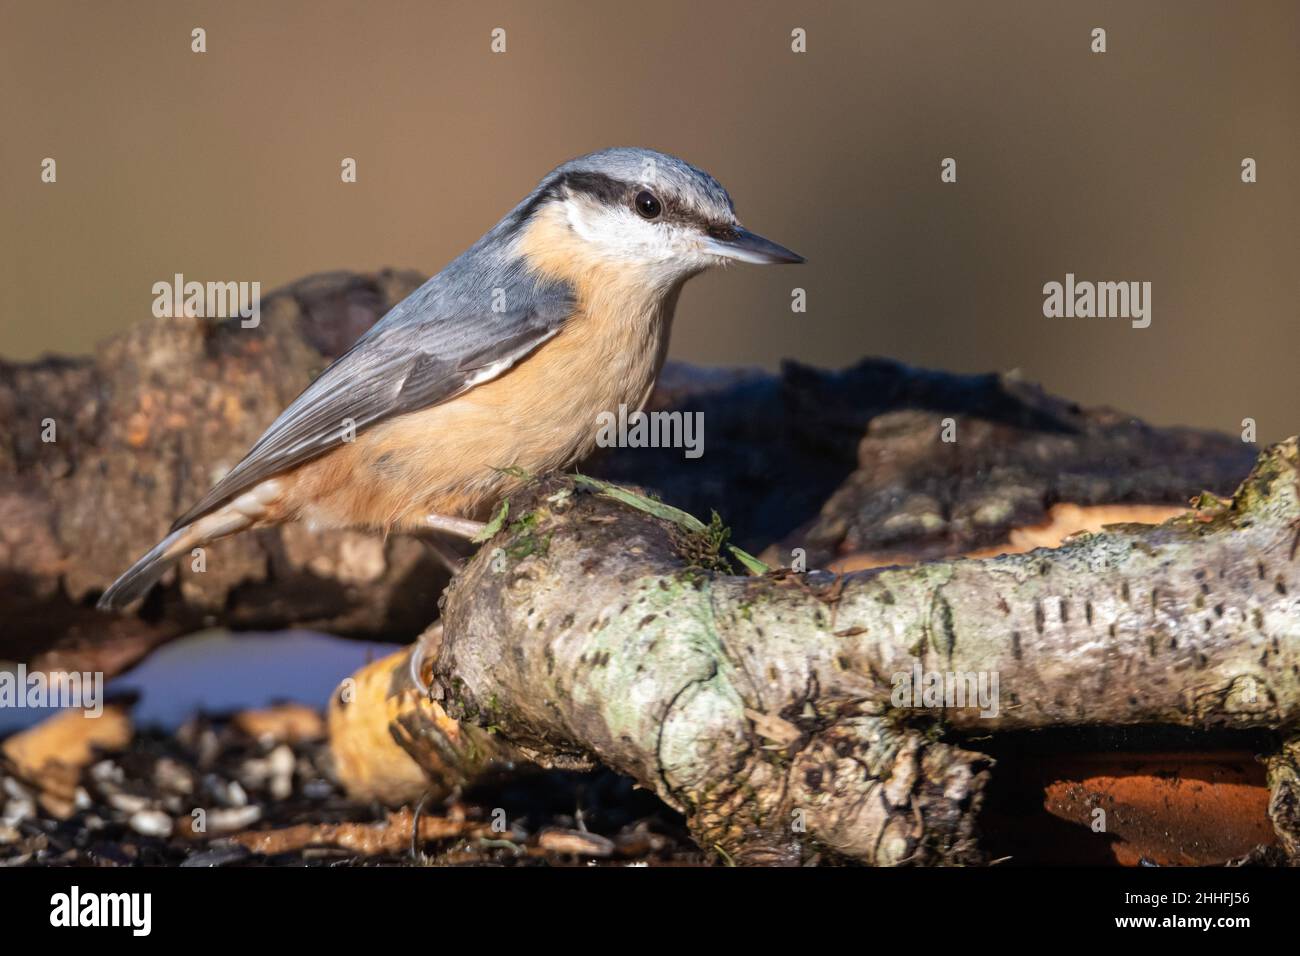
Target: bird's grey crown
column 651, row 168
column 614, row 176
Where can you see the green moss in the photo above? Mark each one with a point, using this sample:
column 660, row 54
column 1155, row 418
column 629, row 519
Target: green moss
column 703, row 549
column 494, row 525
column 525, row 539
column 1256, row 496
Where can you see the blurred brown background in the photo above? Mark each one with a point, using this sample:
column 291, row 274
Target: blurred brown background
column 1121, row 166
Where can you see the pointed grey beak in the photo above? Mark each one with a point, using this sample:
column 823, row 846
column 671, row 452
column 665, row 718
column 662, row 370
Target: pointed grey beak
column 737, row 242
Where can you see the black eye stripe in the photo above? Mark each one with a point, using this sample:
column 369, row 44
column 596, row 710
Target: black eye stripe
column 616, row 192
column 596, row 185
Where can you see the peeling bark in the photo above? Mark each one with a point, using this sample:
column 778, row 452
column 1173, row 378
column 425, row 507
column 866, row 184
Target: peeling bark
column 765, row 709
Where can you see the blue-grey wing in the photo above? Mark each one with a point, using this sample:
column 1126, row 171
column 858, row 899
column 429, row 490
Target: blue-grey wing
column 437, row 343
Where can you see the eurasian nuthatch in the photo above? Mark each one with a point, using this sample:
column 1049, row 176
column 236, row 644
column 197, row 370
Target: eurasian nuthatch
column 496, row 367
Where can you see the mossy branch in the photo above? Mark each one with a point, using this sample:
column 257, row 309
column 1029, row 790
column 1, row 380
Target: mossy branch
column 768, row 709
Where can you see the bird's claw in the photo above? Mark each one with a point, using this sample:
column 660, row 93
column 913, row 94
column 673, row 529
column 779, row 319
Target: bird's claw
column 418, row 655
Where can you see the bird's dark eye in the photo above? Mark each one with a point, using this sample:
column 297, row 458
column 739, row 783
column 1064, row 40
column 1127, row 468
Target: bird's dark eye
column 647, row 206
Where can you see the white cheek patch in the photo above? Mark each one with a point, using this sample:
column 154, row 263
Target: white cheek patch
column 622, row 234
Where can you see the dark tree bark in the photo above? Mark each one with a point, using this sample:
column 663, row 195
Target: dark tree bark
column 141, row 429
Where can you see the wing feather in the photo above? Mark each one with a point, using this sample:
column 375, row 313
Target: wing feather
column 437, row 343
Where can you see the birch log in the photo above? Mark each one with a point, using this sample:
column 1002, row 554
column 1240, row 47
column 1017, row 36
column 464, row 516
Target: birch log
column 778, row 712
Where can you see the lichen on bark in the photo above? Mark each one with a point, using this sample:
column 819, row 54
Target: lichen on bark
column 765, row 707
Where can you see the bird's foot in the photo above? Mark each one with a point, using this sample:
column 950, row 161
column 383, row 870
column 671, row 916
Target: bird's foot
column 446, row 555
column 424, row 647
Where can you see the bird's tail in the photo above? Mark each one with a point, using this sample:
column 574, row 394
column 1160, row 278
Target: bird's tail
column 142, row 575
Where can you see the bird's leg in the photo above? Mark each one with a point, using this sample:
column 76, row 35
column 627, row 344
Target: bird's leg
column 460, row 527
column 446, row 555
